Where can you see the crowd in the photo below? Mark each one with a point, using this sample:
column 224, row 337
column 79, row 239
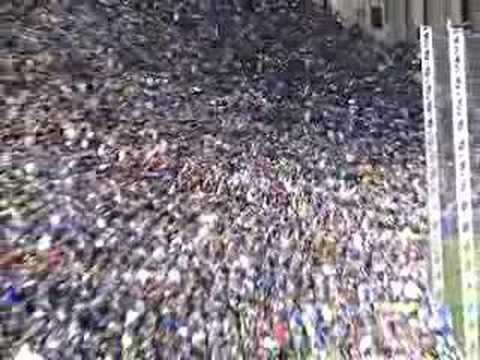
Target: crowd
column 170, row 190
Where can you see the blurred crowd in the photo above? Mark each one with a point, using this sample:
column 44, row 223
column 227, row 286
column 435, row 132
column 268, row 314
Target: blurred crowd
column 172, row 190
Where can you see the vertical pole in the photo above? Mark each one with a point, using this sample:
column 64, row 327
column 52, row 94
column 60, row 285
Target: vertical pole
column 456, row 11
column 466, row 244
column 399, row 22
column 433, row 179
column 425, row 14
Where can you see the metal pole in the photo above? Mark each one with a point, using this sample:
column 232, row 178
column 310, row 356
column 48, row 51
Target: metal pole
column 433, row 172
column 470, row 304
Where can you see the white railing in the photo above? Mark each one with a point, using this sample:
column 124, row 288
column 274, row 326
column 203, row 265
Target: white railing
column 451, row 111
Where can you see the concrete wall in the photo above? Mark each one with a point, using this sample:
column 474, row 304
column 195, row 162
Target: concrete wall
column 402, row 18
column 415, row 17
column 474, row 12
column 359, row 12
column 348, row 9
